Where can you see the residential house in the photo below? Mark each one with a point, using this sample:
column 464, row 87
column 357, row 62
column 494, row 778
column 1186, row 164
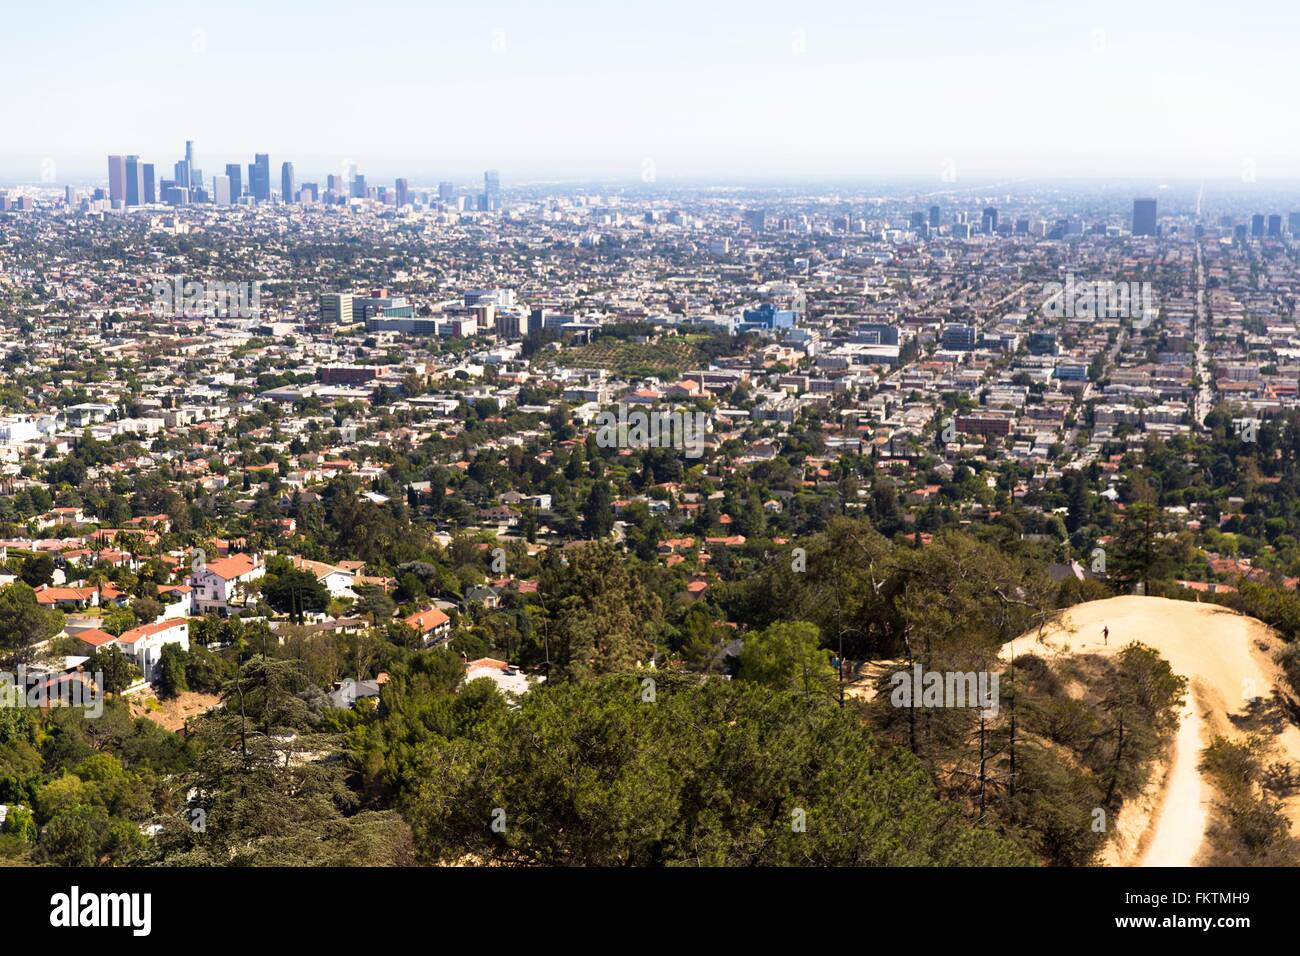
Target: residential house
column 432, row 625
column 217, row 583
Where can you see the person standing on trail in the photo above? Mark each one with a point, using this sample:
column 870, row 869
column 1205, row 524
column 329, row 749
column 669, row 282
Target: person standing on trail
column 1105, row 635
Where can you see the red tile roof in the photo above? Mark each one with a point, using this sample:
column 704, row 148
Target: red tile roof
column 237, row 565
column 95, row 637
column 148, row 630
column 426, row 621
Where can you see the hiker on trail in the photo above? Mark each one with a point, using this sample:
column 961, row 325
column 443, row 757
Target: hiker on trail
column 1105, row 635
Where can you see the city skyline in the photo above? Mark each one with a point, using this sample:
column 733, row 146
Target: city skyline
column 133, row 183
column 428, row 172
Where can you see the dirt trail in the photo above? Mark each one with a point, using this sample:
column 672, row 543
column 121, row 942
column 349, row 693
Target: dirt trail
column 1179, row 826
column 1227, row 659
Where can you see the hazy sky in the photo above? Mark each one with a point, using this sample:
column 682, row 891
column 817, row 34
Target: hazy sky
column 699, row 89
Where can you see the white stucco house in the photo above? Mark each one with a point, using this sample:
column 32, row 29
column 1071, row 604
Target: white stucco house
column 144, row 644
column 218, row 583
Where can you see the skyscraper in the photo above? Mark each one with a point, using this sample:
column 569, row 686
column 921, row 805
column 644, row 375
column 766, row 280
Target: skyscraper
column 287, row 182
column 403, row 193
column 196, row 174
column 1257, row 226
column 446, row 191
column 1144, row 217
column 221, row 190
column 1275, row 226
column 117, row 180
column 259, row 177
column 182, row 173
column 235, row 173
column 934, row 217
column 1293, row 223
column 492, row 189
column 134, row 181
column 358, row 186
column 150, row 184
column 989, row 222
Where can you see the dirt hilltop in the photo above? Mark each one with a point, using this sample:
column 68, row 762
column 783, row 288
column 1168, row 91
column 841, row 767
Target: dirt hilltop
column 1227, row 659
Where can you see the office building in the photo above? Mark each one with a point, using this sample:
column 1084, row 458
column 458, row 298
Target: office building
column 446, row 191
column 875, row 333
column 221, row 190
column 403, row 193
column 934, row 217
column 456, row 328
column 235, row 173
column 985, row 424
column 1144, row 217
column 379, row 304
column 336, row 308
column 117, row 180
column 989, row 221
column 492, row 189
column 1275, row 226
column 150, row 183
column 768, row 317
column 288, row 185
column 259, row 177
column 1257, row 226
column 959, row 337
column 134, row 181
column 196, row 175
column 512, row 325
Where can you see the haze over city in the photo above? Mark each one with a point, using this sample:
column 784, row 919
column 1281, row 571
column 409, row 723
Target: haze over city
column 721, row 92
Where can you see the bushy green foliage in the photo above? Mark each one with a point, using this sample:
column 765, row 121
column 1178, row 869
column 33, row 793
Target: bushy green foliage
column 696, row 773
column 1248, row 825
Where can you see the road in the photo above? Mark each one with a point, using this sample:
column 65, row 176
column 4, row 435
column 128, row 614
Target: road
column 1203, row 402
